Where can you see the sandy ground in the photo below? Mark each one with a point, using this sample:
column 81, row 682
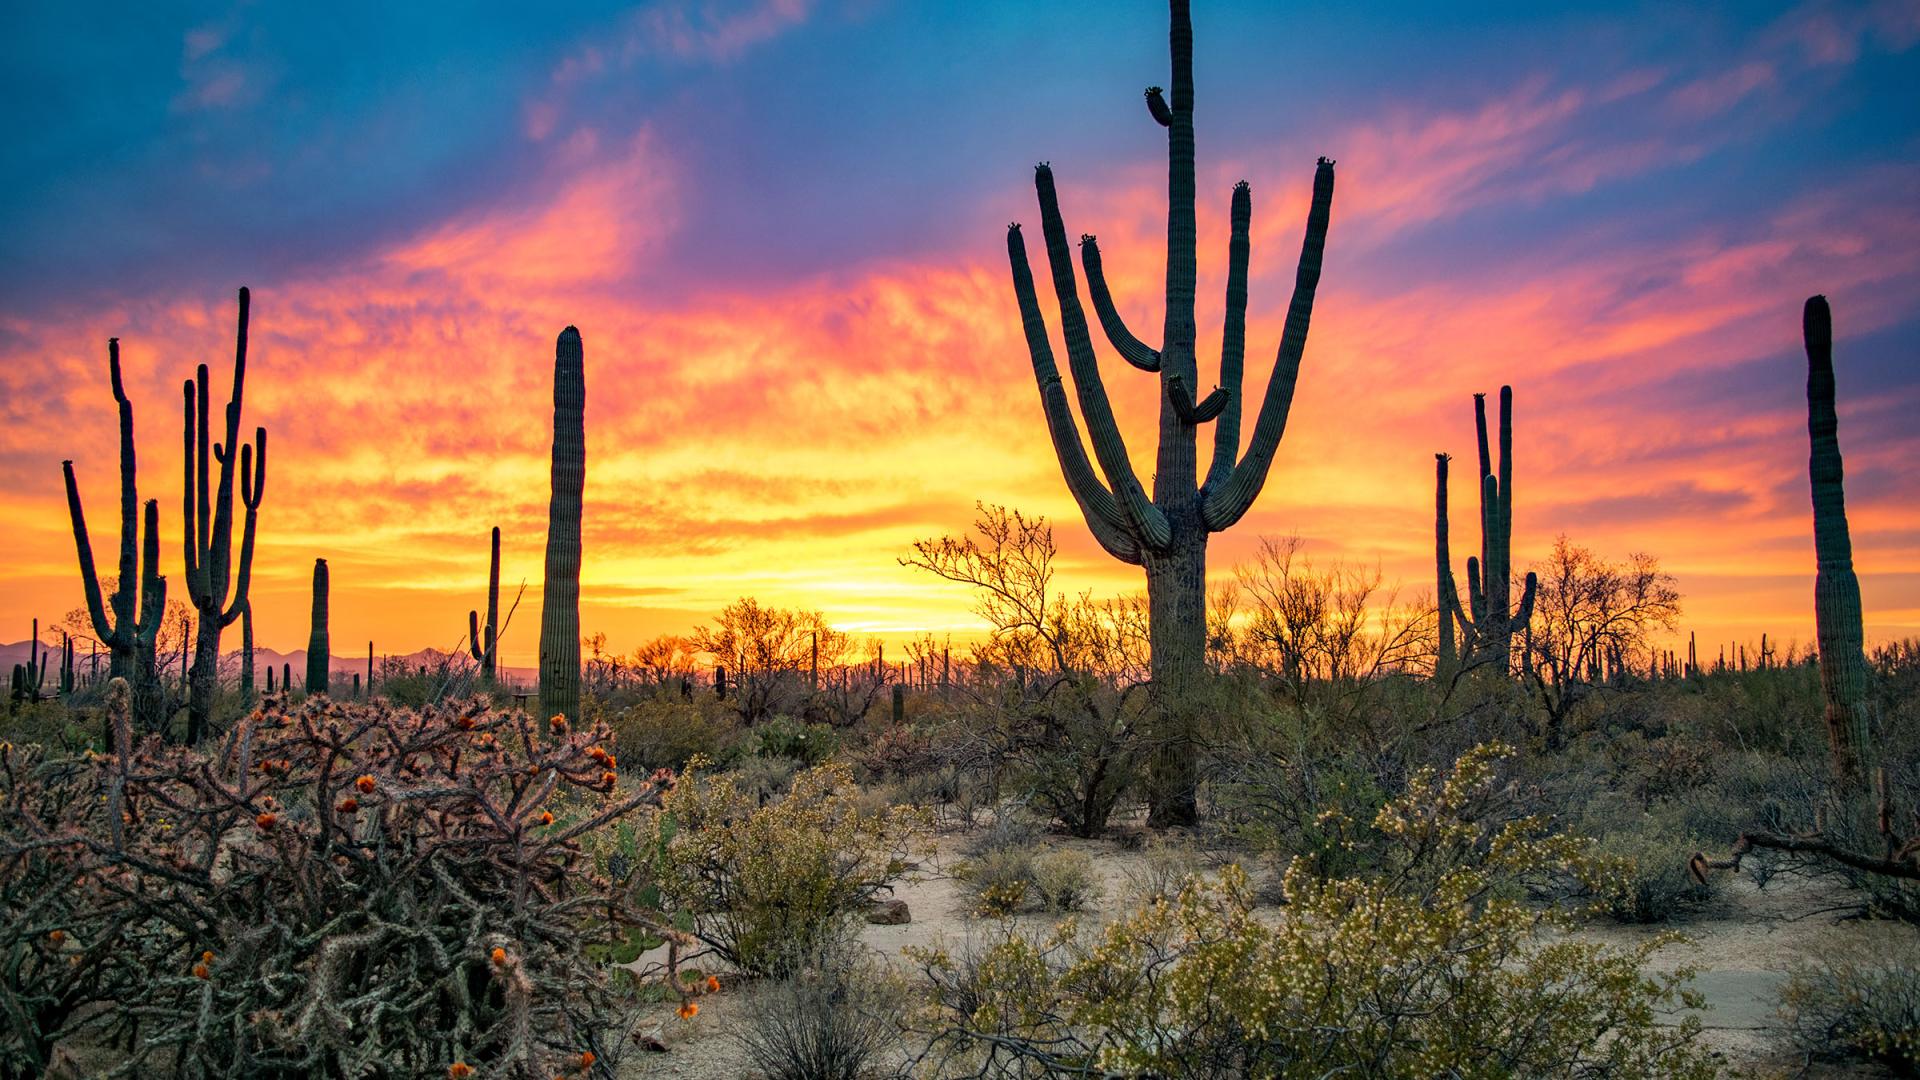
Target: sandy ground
column 1738, row 945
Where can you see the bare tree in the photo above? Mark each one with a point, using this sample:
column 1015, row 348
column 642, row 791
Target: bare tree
column 1589, row 616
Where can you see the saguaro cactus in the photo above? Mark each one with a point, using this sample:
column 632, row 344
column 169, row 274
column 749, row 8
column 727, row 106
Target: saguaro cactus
column 560, row 599
column 1167, row 533
column 1486, row 636
column 482, row 649
column 1836, row 591
column 318, row 668
column 207, row 524
column 135, row 623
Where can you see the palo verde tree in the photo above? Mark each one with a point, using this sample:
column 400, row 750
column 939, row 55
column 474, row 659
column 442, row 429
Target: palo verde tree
column 1166, row 533
column 207, row 524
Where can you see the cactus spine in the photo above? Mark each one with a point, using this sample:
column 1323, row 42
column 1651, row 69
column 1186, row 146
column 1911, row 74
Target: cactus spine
column 131, row 632
column 207, row 524
column 317, row 665
column 1167, row 533
column 1486, row 635
column 1836, row 591
column 483, row 649
column 560, row 598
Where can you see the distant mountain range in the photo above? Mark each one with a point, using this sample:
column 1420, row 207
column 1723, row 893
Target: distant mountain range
column 16, row 653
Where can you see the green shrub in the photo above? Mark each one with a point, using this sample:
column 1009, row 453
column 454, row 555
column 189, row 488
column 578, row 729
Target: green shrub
column 998, row 882
column 765, row 884
column 785, row 737
column 1860, row 1005
column 1165, row 868
column 666, row 732
column 1065, row 880
column 1435, row 966
column 1650, row 881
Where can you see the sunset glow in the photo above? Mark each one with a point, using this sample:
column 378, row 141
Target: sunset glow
column 778, row 226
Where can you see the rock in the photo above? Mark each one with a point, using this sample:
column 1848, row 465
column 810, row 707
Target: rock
column 889, row 913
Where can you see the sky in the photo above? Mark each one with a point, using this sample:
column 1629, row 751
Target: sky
column 779, row 226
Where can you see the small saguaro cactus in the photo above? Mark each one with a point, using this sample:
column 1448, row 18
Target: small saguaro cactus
column 483, row 648
column 1836, row 590
column 1166, row 534
column 560, row 599
column 317, row 656
column 1486, row 635
column 66, row 664
column 207, row 524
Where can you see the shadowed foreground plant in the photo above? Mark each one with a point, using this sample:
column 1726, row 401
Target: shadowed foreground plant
column 1435, row 966
column 336, row 889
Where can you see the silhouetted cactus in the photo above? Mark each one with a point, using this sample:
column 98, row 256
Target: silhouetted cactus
column 207, row 524
column 899, row 704
column 560, row 599
column 66, row 664
column 483, row 648
column 246, row 656
column 1167, row 534
column 1486, row 635
column 131, row 632
column 1836, row 591
column 317, row 665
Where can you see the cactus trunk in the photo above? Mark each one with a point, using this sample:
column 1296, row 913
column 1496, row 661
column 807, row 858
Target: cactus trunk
column 317, row 654
column 560, row 598
column 1836, row 590
column 1446, row 660
column 1166, row 534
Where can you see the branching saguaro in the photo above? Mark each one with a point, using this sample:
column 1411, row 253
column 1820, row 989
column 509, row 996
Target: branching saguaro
column 560, row 599
column 1486, row 635
column 207, row 524
column 1167, row 532
column 134, row 628
column 319, row 667
column 482, row 649
column 1836, row 590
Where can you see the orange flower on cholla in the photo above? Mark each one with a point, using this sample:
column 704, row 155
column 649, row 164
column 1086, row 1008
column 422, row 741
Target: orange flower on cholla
column 348, row 805
column 558, row 725
column 689, row 1010
column 499, row 957
column 598, row 753
column 459, row 1070
column 365, row 784
column 266, row 821
column 464, row 723
column 203, row 969
column 713, row 984
column 57, row 936
column 546, row 817
column 586, row 1060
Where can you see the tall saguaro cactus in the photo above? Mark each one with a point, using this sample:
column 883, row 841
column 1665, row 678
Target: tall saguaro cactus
column 1836, row 590
column 1486, row 635
column 560, row 598
column 207, row 523
column 1167, row 533
column 318, row 668
column 134, row 628
column 483, row 649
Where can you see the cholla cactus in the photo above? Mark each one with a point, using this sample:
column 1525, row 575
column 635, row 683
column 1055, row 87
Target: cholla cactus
column 338, row 889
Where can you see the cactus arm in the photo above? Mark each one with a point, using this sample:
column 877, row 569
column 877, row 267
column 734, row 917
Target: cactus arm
column 1227, row 502
column 89, row 578
column 1103, row 515
column 1233, row 338
column 473, row 636
column 190, row 542
column 201, row 524
column 1476, row 594
column 124, row 597
column 1525, row 614
column 1145, row 520
column 253, row 485
column 1184, row 406
column 1500, row 585
column 153, row 584
column 1445, row 600
column 1157, row 107
column 1131, row 349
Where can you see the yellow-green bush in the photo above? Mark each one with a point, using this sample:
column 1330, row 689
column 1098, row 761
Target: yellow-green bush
column 1433, row 966
column 764, row 883
column 1859, row 1004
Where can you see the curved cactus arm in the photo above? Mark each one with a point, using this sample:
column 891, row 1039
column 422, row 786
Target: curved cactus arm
column 1476, row 594
column 1227, row 501
column 1157, row 107
column 1524, row 614
column 1131, row 349
column 193, row 516
column 153, row 584
column 253, row 486
column 473, row 637
column 1501, row 558
column 1146, row 523
column 123, row 600
column 89, row 578
column 1104, row 516
column 1233, row 338
column 1184, row 406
